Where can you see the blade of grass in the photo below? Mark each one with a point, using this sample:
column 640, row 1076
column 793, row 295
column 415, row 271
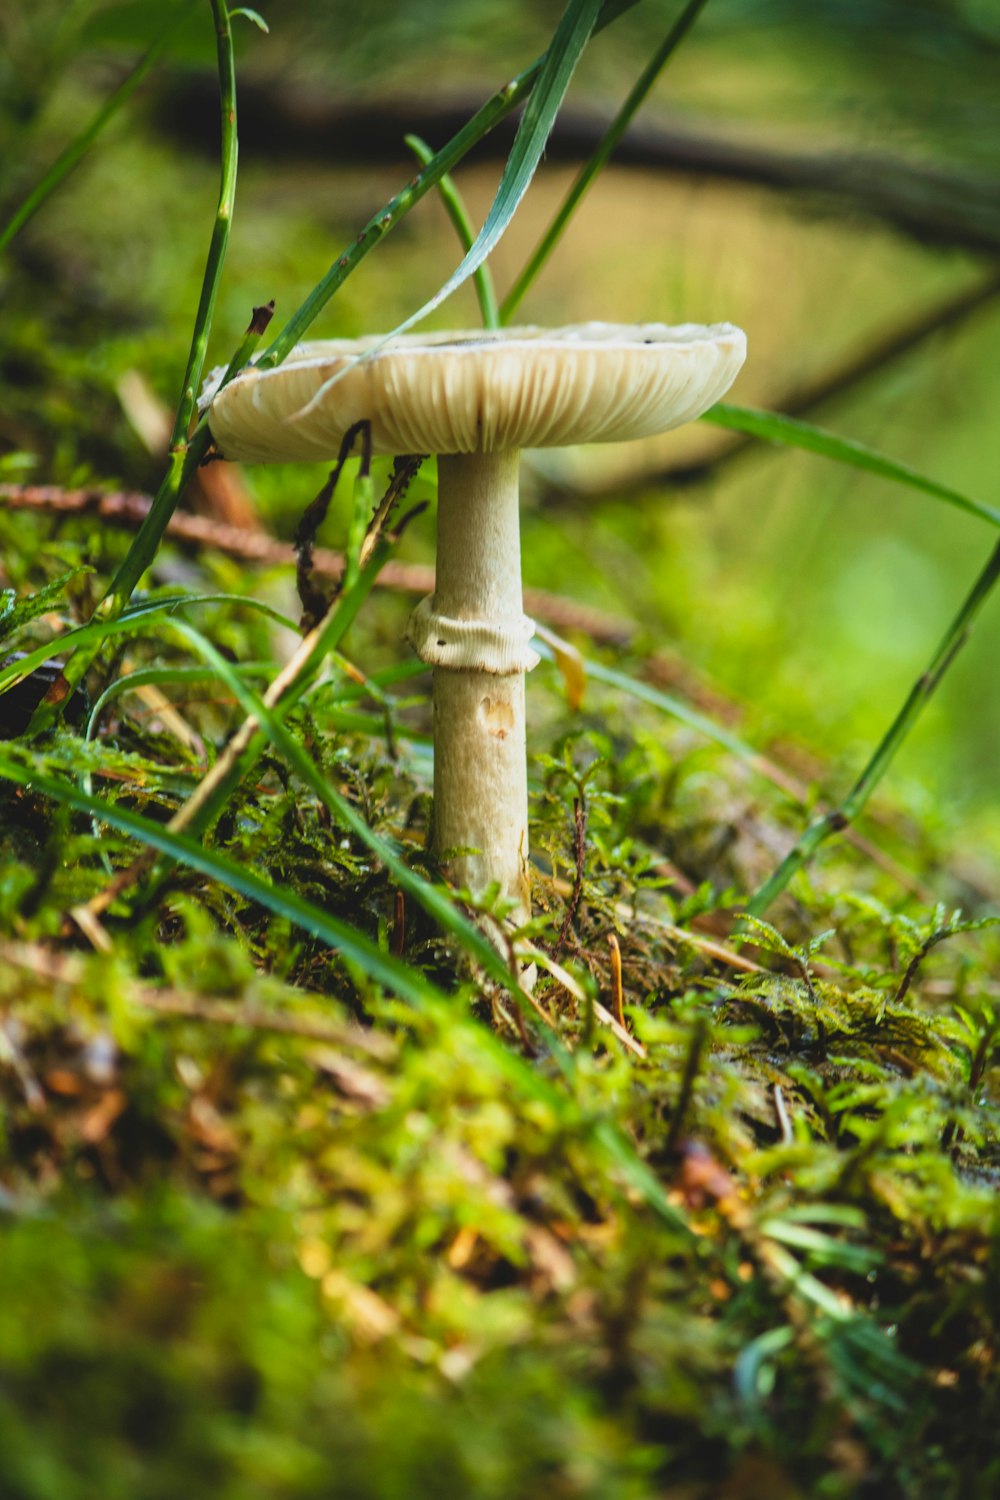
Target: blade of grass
column 601, row 156
column 564, row 52
column 147, row 539
column 454, row 207
column 839, row 818
column 77, row 149
column 558, row 65
column 790, row 432
column 496, row 108
column 385, row 970
column 168, row 676
column 184, row 455
column 132, row 622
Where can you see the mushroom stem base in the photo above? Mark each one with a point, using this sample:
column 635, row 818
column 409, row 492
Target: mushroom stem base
column 481, row 783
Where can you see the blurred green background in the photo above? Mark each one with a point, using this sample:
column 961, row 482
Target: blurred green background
column 811, row 593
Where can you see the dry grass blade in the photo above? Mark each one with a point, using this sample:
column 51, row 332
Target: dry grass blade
column 573, row 987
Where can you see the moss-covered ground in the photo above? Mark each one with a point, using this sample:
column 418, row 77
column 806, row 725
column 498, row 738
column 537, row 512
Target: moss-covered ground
column 266, row 1231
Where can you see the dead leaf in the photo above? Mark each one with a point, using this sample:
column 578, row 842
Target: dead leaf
column 570, row 663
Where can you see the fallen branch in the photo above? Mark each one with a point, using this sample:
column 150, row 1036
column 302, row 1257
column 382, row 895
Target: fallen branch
column 933, row 203
column 129, row 509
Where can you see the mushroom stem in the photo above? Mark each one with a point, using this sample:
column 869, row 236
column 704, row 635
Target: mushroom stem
column 480, row 776
column 478, row 575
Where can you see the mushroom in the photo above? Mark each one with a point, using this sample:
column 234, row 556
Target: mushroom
column 475, row 400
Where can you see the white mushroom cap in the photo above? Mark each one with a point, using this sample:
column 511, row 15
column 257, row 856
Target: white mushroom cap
column 479, row 392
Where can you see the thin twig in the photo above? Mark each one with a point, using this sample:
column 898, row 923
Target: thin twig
column 580, row 857
column 404, row 470
column 314, row 602
column 938, row 936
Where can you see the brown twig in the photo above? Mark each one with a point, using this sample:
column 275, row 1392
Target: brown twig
column 128, row 509
column 314, row 602
column 398, row 944
column 404, row 470
column 580, row 856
